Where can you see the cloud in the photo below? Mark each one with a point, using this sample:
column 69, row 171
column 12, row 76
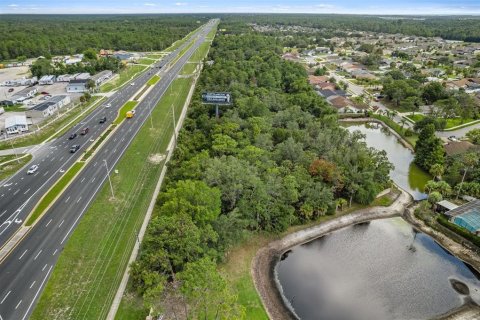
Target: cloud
column 180, row 3
column 149, row 4
column 12, row 5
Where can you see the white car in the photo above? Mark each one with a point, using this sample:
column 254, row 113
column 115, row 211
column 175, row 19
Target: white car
column 132, row 84
column 32, row 169
column 108, row 105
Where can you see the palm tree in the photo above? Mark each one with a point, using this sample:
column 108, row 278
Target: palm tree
column 469, row 160
column 437, row 171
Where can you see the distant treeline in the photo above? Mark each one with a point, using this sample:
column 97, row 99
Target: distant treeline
column 46, row 35
column 466, row 28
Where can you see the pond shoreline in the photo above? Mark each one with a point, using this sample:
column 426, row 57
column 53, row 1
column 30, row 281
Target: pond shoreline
column 263, row 264
column 404, row 142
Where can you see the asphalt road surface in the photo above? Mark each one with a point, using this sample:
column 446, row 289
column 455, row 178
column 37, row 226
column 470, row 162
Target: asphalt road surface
column 24, row 272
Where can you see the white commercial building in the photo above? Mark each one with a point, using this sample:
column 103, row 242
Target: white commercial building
column 49, row 79
column 49, row 107
column 16, row 124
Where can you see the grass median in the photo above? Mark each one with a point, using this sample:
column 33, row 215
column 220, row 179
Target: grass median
column 53, row 127
column 123, row 110
column 9, row 169
column 92, row 263
column 153, row 80
column 54, row 192
column 189, row 68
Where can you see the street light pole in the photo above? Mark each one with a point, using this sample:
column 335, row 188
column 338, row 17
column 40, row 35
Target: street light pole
column 14, row 150
column 109, row 180
column 174, row 127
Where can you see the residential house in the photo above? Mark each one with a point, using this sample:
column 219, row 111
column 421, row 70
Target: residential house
column 16, row 124
column 82, row 76
column 315, row 80
column 342, row 104
column 457, row 147
column 49, row 107
column 101, row 77
column 46, row 80
column 77, row 85
column 466, row 216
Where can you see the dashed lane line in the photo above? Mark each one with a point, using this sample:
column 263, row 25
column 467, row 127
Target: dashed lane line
column 23, row 254
column 5, row 297
column 37, row 256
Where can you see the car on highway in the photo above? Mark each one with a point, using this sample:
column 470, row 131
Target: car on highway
column 74, row 148
column 72, row 136
column 84, row 131
column 132, row 84
column 32, row 169
column 103, row 120
column 108, row 105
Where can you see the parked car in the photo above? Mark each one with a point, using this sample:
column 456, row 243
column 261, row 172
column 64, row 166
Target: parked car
column 44, row 92
column 10, row 90
column 74, row 148
column 72, row 136
column 102, row 120
column 452, row 138
column 84, row 131
column 32, row 169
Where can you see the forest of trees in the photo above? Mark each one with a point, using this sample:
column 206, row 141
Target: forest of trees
column 447, row 27
column 48, row 35
column 275, row 158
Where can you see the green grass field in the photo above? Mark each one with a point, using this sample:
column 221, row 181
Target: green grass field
column 450, row 122
column 200, row 53
column 56, row 125
column 146, row 61
column 189, row 68
column 155, row 56
column 153, row 80
column 7, row 170
column 54, row 192
column 124, row 76
column 91, row 266
column 130, row 105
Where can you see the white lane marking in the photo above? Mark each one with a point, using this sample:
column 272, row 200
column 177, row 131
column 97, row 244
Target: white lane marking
column 33, row 283
column 16, row 192
column 82, row 180
column 1, row 214
column 5, row 296
column 43, row 160
column 3, row 194
column 45, row 173
column 61, row 158
column 18, row 304
column 67, row 199
column 44, row 267
column 21, row 178
column 61, row 223
column 26, row 191
column 79, row 199
column 22, row 254
column 53, row 159
column 114, row 139
column 55, row 252
column 114, row 150
column 93, row 179
column 94, row 164
column 38, row 291
column 36, row 174
column 15, row 183
column 37, row 256
column 48, row 223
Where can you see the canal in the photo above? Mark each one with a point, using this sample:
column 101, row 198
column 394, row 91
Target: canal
column 406, row 174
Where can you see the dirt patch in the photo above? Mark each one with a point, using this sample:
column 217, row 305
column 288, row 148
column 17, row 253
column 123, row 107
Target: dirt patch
column 156, row 158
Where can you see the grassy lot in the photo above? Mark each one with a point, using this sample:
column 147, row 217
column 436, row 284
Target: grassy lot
column 11, row 168
column 91, row 266
column 16, row 107
column 146, row 61
column 54, row 192
column 450, row 122
column 153, row 80
column 123, row 110
column 124, row 76
column 155, row 56
column 189, row 68
column 50, row 130
column 200, row 53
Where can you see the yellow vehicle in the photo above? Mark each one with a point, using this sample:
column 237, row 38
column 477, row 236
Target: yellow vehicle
column 130, row 114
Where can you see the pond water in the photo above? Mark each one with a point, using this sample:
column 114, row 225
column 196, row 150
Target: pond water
column 406, row 174
column 375, row 271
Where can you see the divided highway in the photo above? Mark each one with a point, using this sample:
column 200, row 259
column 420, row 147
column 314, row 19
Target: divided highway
column 24, row 272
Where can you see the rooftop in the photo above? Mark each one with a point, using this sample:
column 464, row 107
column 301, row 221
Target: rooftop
column 472, row 206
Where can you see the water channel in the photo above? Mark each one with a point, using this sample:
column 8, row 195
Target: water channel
column 379, row 270
column 406, row 173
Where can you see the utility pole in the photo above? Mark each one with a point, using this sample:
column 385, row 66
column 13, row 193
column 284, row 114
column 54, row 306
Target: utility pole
column 14, row 150
column 174, row 127
column 109, row 180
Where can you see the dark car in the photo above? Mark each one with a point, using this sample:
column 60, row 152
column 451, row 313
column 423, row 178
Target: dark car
column 102, row 120
column 84, row 131
column 10, row 90
column 74, row 148
column 72, row 136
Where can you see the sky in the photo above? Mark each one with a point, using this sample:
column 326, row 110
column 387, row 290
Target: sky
column 403, row 7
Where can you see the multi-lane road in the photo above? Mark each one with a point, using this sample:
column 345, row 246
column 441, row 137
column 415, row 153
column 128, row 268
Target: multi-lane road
column 24, row 272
